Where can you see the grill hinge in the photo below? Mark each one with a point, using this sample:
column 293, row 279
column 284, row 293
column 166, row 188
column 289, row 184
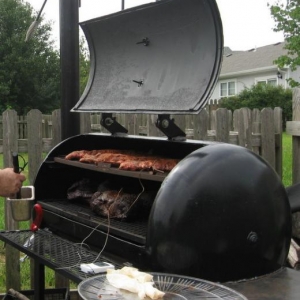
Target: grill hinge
column 169, row 128
column 109, row 123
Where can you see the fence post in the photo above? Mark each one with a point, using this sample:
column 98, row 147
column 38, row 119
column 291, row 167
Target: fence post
column 268, row 136
column 152, row 130
column 201, row 125
column 245, row 128
column 10, row 143
column 278, row 140
column 130, row 121
column 256, row 128
column 293, row 128
column 56, row 127
column 222, row 125
column 85, row 123
column 35, row 142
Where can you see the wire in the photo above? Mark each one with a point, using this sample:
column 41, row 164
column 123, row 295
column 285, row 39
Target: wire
column 107, row 232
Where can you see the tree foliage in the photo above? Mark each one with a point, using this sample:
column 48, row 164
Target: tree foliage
column 84, row 64
column 261, row 96
column 287, row 18
column 29, row 71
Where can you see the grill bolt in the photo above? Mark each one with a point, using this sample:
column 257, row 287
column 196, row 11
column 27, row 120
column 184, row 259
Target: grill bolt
column 144, row 41
column 252, row 237
column 139, row 82
column 165, row 123
column 109, row 121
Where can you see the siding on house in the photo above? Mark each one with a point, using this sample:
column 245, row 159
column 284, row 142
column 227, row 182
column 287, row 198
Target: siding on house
column 246, row 68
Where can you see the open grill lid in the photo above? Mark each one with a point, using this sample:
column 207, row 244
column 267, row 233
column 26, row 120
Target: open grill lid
column 160, row 58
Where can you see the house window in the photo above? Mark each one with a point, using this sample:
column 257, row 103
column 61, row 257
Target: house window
column 227, row 89
column 269, row 81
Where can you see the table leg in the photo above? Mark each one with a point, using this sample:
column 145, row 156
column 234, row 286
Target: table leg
column 39, row 280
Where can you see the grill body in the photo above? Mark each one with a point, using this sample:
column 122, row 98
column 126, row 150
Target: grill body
column 221, row 214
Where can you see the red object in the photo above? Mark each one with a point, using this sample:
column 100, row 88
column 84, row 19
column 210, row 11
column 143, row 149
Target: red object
column 38, row 210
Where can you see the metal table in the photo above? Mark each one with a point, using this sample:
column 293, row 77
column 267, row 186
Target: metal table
column 52, row 251
column 61, row 255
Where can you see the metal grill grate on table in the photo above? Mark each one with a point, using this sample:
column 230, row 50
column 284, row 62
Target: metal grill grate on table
column 53, row 251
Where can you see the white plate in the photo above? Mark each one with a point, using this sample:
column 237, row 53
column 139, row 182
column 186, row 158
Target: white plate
column 176, row 288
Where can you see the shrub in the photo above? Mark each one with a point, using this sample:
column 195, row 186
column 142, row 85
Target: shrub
column 261, row 96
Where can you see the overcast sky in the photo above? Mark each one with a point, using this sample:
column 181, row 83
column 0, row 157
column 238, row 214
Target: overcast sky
column 246, row 23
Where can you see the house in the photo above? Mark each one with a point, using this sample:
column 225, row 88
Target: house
column 242, row 69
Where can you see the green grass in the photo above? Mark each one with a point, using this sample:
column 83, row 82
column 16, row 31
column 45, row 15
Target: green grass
column 287, row 159
column 49, row 274
column 24, row 266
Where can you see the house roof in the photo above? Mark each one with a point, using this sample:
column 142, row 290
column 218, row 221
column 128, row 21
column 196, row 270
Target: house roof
column 253, row 59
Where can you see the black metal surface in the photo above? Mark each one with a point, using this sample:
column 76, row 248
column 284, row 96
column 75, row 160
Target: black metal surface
column 222, row 214
column 221, row 208
column 109, row 123
column 162, row 57
column 127, row 238
column 53, row 251
column 69, row 57
column 293, row 193
column 283, row 284
column 134, row 231
column 169, row 128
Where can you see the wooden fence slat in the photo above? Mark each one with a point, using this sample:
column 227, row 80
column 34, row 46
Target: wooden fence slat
column 85, row 123
column 296, row 138
column 152, row 129
column 268, row 136
column 56, row 127
column 222, row 126
column 35, row 144
column 130, row 120
column 10, row 144
column 245, row 126
column 235, row 117
column 278, row 140
column 201, row 125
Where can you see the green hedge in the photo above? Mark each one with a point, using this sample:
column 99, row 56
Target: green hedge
column 260, row 96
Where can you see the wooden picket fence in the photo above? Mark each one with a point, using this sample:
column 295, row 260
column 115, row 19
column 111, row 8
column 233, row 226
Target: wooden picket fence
column 257, row 130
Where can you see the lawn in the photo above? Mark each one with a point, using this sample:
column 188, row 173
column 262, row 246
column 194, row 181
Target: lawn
column 24, row 266
column 50, row 281
column 287, row 160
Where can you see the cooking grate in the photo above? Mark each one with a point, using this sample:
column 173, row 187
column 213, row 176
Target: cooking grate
column 131, row 230
column 53, row 251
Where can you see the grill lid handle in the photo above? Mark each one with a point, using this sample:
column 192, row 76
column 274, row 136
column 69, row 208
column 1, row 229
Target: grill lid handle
column 38, row 210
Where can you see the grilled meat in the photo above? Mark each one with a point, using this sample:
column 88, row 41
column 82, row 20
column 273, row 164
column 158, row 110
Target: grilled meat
column 125, row 160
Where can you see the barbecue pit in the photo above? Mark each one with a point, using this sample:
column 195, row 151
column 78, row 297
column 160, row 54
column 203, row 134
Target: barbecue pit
column 221, row 214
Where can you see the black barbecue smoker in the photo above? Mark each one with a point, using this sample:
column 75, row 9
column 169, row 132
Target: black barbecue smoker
column 221, row 214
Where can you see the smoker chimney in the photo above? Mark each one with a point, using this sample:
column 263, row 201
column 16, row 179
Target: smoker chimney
column 69, row 56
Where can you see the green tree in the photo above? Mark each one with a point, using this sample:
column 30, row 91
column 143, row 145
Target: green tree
column 29, row 71
column 287, row 18
column 84, row 64
column 260, row 96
